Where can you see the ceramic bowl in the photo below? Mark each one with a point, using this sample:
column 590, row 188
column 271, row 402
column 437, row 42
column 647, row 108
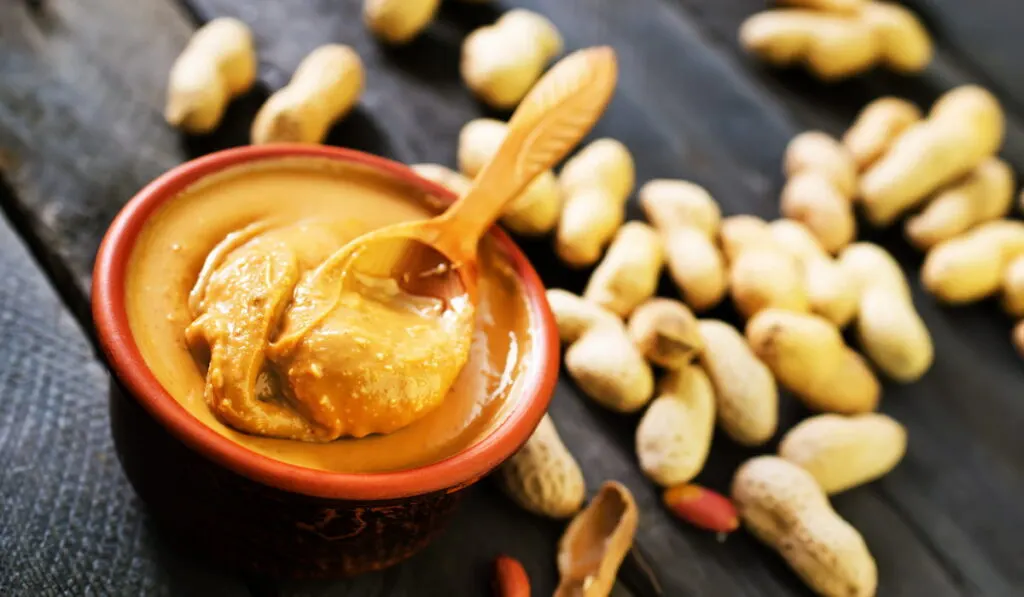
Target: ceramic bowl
column 255, row 513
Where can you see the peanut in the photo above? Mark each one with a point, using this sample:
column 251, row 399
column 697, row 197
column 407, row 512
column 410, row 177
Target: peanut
column 535, row 211
column 742, row 232
column 543, row 477
column 688, row 219
column 893, row 335
column 702, row 508
column 665, row 331
column 595, row 183
column 762, row 274
column 444, row 176
column 324, row 88
column 761, row 279
column 819, row 191
column 809, row 198
column 601, row 358
column 696, row 267
column 605, row 163
column 671, row 203
column 965, row 126
column 674, row 435
column 986, row 193
column 783, row 506
column 501, row 62
column 817, row 151
column 746, row 398
column 843, row 6
column 575, row 316
column 628, row 274
column 835, row 45
column 830, row 293
column 867, row 264
column 608, row 368
column 832, row 46
column 510, row 578
column 218, row 64
column 841, row 452
column 889, row 328
column 807, row 355
column 879, row 124
column 398, row 21
column 1013, row 288
column 906, row 46
column 970, row 267
column 595, row 543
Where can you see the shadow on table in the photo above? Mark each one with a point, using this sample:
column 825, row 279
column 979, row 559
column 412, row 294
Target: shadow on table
column 434, row 56
column 358, row 130
column 234, row 127
column 460, row 561
column 176, row 571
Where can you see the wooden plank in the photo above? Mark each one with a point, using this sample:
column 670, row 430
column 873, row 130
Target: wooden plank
column 79, row 133
column 80, row 115
column 727, row 136
column 70, row 523
column 983, row 35
column 686, row 107
column 963, row 420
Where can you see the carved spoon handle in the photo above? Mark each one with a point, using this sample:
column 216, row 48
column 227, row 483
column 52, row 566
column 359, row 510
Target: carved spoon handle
column 560, row 109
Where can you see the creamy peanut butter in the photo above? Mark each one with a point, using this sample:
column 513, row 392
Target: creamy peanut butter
column 228, row 298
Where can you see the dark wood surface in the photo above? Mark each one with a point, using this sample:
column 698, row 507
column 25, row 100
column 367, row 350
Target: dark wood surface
column 81, row 93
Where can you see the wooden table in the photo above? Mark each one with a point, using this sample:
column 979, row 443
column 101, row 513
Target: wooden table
column 81, row 93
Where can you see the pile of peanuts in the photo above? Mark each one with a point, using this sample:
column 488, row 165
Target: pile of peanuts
column 797, row 281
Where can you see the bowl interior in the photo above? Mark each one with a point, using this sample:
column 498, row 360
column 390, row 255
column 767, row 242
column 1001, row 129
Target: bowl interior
column 128, row 365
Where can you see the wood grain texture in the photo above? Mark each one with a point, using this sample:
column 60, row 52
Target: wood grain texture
column 70, row 523
column 80, row 125
column 81, row 114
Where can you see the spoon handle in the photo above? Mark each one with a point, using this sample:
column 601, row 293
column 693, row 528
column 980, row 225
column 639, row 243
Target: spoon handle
column 557, row 112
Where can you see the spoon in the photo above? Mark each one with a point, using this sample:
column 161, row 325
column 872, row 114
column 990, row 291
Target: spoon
column 438, row 257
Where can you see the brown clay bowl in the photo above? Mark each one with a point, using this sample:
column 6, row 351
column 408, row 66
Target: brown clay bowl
column 255, row 513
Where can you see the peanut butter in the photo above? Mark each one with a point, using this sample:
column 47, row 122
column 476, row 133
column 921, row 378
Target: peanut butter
column 233, row 303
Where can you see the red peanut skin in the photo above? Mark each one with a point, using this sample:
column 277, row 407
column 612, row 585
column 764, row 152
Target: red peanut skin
column 702, row 507
column 510, row 579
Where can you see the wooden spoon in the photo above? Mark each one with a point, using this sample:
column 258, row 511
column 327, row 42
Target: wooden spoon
column 437, row 257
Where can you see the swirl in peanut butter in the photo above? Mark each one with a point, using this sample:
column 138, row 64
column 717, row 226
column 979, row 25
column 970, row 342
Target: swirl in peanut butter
column 182, row 276
column 293, row 354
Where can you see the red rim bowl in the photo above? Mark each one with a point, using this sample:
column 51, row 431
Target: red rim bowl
column 128, row 365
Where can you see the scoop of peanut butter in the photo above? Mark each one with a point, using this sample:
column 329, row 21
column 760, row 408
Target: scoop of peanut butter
column 294, row 355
